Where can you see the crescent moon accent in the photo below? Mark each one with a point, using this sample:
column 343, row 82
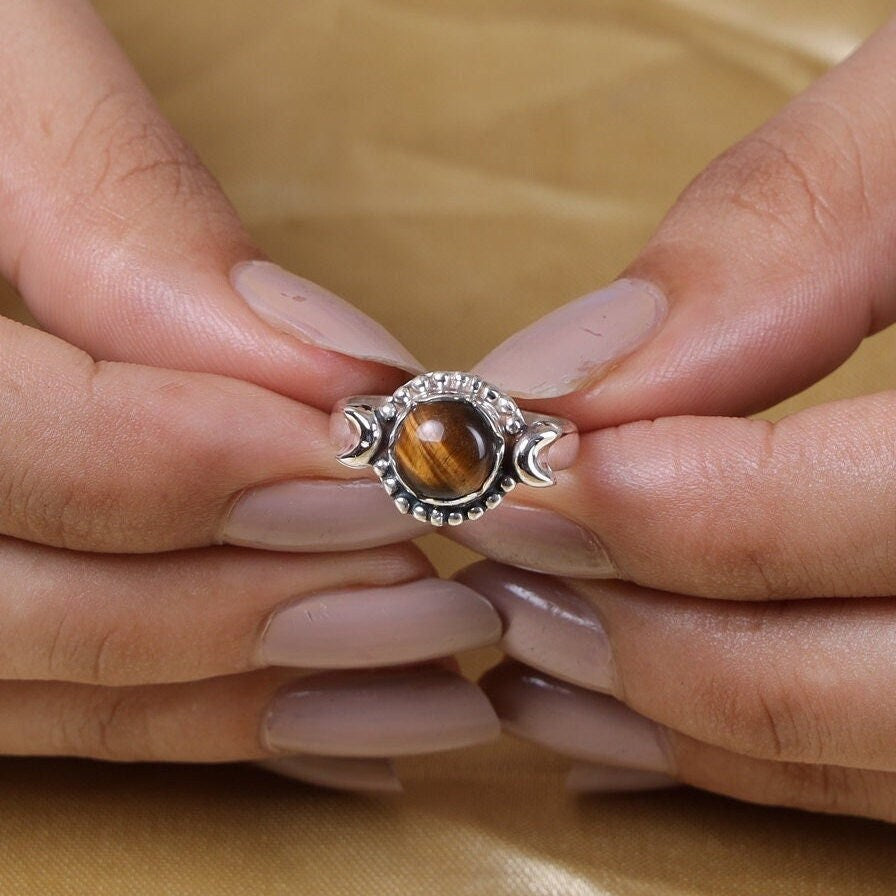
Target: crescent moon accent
column 368, row 433
column 447, row 446
column 529, row 460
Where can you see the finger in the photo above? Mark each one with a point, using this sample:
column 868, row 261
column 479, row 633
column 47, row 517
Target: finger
column 767, row 273
column 338, row 772
column 801, row 681
column 596, row 728
column 260, row 715
column 122, row 243
column 185, row 615
column 117, row 457
column 726, row 508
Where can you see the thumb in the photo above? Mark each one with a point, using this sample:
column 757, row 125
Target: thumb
column 767, row 273
column 121, row 242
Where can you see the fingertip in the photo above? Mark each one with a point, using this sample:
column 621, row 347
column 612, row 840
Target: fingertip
column 575, row 721
column 338, row 772
column 587, row 777
column 314, row 315
column 547, row 625
column 537, row 538
column 379, row 626
column 570, row 348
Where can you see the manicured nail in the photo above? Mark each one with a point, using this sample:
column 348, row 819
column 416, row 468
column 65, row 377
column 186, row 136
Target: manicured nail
column 363, row 627
column 580, row 723
column 547, row 625
column 338, row 772
column 303, row 309
column 539, row 539
column 342, row 434
column 383, row 712
column 316, row 515
column 588, row 778
column 572, row 347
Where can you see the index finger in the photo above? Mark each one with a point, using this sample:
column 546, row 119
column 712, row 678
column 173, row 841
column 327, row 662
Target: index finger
column 121, row 241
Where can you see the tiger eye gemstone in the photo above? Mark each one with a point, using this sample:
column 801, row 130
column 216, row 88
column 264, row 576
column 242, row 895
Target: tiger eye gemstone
column 443, row 450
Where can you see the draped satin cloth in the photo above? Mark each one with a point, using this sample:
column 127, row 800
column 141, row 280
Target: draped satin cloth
column 456, row 168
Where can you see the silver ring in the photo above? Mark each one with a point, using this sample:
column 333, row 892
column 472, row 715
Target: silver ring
column 448, row 446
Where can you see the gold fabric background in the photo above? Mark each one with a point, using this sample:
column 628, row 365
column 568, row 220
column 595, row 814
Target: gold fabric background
column 455, row 167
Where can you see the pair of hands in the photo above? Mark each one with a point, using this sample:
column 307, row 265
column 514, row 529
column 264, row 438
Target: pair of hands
column 712, row 600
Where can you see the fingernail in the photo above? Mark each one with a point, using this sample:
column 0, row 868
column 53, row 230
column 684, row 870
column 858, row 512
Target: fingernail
column 547, row 625
column 563, row 453
column 338, row 772
column 342, row 435
column 316, row 515
column 574, row 721
column 386, row 712
column 362, row 627
column 572, row 347
column 303, row 309
column 585, row 777
column 538, row 539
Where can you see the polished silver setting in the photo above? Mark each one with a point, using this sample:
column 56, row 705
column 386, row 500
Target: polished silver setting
column 519, row 442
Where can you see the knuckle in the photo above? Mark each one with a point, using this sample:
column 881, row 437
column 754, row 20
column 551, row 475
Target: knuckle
column 80, row 515
column 756, row 567
column 769, row 715
column 806, row 732
column 823, row 788
column 796, row 784
column 772, row 181
column 109, row 723
column 59, row 510
column 50, row 492
column 94, row 655
column 774, row 717
column 136, row 462
column 65, row 647
column 838, row 789
column 124, row 145
column 116, row 725
column 832, row 788
column 793, row 175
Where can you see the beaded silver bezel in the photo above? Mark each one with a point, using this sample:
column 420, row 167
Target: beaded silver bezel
column 499, row 412
column 517, row 440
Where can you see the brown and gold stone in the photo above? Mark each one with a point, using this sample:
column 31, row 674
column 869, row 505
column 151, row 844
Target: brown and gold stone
column 444, row 450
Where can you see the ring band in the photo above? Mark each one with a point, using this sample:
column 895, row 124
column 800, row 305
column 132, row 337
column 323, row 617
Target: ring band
column 448, row 446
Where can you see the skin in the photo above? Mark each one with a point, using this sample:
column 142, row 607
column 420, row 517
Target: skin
column 733, row 534
column 106, row 214
column 153, row 399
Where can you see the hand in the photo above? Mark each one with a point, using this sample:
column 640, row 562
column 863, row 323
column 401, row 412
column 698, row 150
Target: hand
column 752, row 650
column 126, row 632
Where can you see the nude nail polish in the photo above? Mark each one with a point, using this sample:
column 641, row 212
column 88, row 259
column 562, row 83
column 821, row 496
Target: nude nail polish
column 366, row 627
column 383, row 712
column 546, row 624
column 307, row 311
column 573, row 346
column 370, row 775
column 572, row 720
column 315, row 515
column 586, row 777
column 538, row 539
